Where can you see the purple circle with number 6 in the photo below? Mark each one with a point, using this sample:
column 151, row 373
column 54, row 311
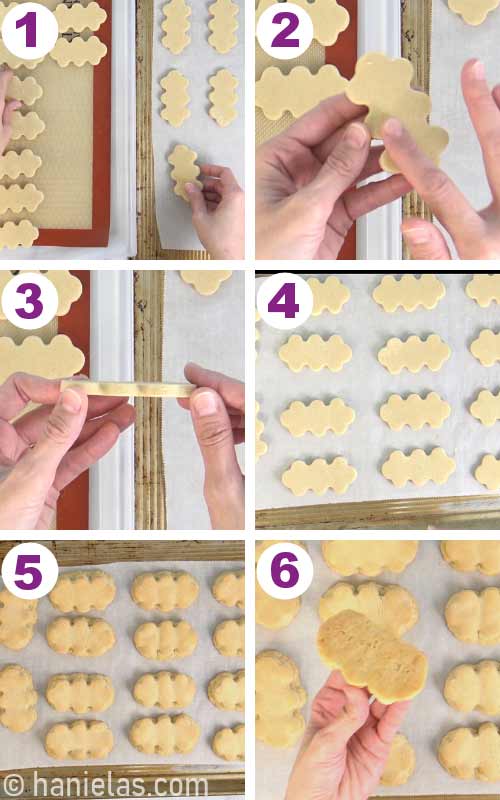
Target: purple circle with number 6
column 285, row 570
column 283, row 565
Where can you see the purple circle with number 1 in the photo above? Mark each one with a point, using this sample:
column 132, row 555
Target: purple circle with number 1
column 30, row 31
column 285, row 570
column 285, row 31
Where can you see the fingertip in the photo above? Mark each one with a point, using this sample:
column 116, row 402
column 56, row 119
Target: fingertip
column 393, row 128
column 474, row 68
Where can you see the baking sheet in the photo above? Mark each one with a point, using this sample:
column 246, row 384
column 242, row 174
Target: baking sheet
column 211, row 332
column 364, row 384
column 214, row 145
column 124, row 665
column 432, row 582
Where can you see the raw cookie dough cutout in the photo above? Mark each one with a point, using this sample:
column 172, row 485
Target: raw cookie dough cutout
column 473, row 556
column 488, row 473
column 17, row 620
column 409, row 293
column 18, row 234
column 165, row 690
column 414, row 354
column 13, row 165
column 184, row 171
column 207, row 281
column 223, row 97
column 261, row 446
column 28, row 91
column 415, row 411
column 315, row 353
column 484, row 289
column 486, row 408
column 474, row 687
column 165, row 641
column 176, row 26
column 26, row 126
column 83, row 591
column 80, row 693
column 390, row 606
column 229, row 589
column 223, row 26
column 165, row 735
column 329, row 295
column 318, row 418
column 79, row 18
column 10, row 60
column 368, row 558
column 472, row 753
column 226, row 691
column 401, row 763
column 57, row 359
column 279, row 698
column 473, row 12
column 329, row 19
column 297, row 92
column 229, row 638
column 319, row 477
column 486, row 348
column 17, row 198
column 79, row 52
column 83, row 637
column 175, row 98
column 419, row 467
column 474, row 617
column 229, row 743
column 18, row 699
column 80, row 740
column 164, row 591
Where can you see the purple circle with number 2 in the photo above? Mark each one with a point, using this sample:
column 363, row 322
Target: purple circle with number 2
column 285, row 31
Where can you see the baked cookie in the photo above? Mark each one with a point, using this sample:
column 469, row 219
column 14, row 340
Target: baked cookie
column 83, row 591
column 369, row 655
column 165, row 690
column 391, row 607
column 226, row 691
column 165, row 735
column 475, row 616
column 401, row 763
column 475, row 556
column 80, row 740
column 279, row 696
column 18, row 699
column 229, row 589
column 164, row 591
column 17, row 620
column 229, row 743
column 474, row 687
column 85, row 637
column 80, row 693
column 166, row 640
column 472, row 754
column 368, row 558
column 229, row 638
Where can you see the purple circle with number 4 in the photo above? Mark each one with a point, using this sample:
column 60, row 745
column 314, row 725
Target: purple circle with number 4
column 284, row 301
column 285, row 570
column 285, row 31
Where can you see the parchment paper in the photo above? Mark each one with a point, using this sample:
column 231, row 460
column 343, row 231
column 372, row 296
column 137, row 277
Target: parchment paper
column 432, row 582
column 214, row 145
column 211, row 332
column 364, row 384
column 124, row 665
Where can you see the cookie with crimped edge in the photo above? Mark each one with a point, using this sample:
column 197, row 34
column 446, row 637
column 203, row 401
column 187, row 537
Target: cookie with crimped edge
column 69, row 288
column 318, row 418
column 474, row 687
column 79, row 18
column 226, row 691
column 328, row 295
column 175, row 98
column 229, row 743
column 164, row 591
column 57, row 359
column 17, row 198
column 28, row 91
column 409, row 293
column 13, row 165
column 488, row 473
column 167, row 640
column 319, row 477
column 474, row 617
column 165, row 735
column 401, row 763
column 369, row 655
column 296, row 92
column 80, row 693
column 484, row 289
column 486, row 408
column 223, row 25
column 182, row 159
column 473, row 12
column 414, row 354
column 176, row 26
column 370, row 558
column 414, row 411
column 472, row 556
column 270, row 612
column 18, row 699
column 165, row 690
column 419, row 467
column 84, row 637
column 229, row 589
column 206, row 281
column 80, row 740
column 18, row 234
column 83, row 591
column 78, row 52
column 261, row 446
column 279, row 698
column 472, row 753
column 329, row 19
column 391, row 606
column 17, row 620
column 486, row 348
column 315, row 353
column 223, row 97
column 229, row 638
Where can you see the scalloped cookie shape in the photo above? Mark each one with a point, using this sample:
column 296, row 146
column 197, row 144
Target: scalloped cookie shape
column 10, row 60
column 409, row 293
column 391, row 606
column 13, row 165
column 329, row 19
column 419, row 468
column 318, row 418
column 80, row 740
column 368, row 558
column 474, row 617
column 83, row 591
column 165, row 641
column 384, row 85
column 315, row 353
column 164, row 591
column 488, row 473
column 223, row 26
column 17, row 198
column 229, row 743
column 165, row 735
column 226, row 691
column 19, row 699
column 79, row 52
column 484, row 289
column 414, row 411
column 83, row 637
column 329, row 295
column 223, row 97
column 261, row 447
column 486, row 348
column 472, row 556
column 26, row 126
column 474, row 687
column 17, row 620
column 69, row 288
column 486, row 408
column 297, row 92
column 401, row 763
column 165, row 690
column 79, row 18
column 58, row 359
column 28, row 91
column 4, row 10
column 206, row 281
column 319, row 477
column 176, row 26
column 175, row 98
column 184, row 170
column 473, row 12
column 472, row 753
column 80, row 693
column 279, row 698
column 18, row 234
column 414, row 354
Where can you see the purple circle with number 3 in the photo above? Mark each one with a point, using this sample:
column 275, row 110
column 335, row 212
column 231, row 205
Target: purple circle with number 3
column 30, row 301
column 285, row 31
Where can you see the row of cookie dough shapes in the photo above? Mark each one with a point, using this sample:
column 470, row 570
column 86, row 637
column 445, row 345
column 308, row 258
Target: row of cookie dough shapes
column 165, row 690
column 80, row 693
column 315, row 353
column 369, row 655
column 18, row 234
column 79, row 18
column 414, row 354
column 488, row 473
column 474, row 617
column 384, row 85
column 329, row 19
column 390, row 606
column 83, row 591
column 415, row 411
column 165, row 641
column 83, row 637
column 26, row 126
column 57, row 359
column 14, row 62
column 484, row 289
column 472, row 753
column 279, row 698
column 206, row 281
column 319, row 477
column 226, row 691
column 296, row 92
column 486, row 408
column 229, row 743
column 261, row 447
column 474, row 687
column 176, row 26
column 486, row 348
column 28, row 91
column 17, row 620
column 318, row 418
column 419, row 467
column 270, row 612
column 223, row 97
column 472, row 556
column 164, row 591
column 473, row 12
column 368, row 558
column 401, row 763
column 229, row 589
column 409, row 293
column 223, row 26
column 329, row 295
column 184, row 170
column 165, row 735
column 18, row 699
column 79, row 52
column 69, row 288
column 229, row 638
column 80, row 740
column 13, row 165
column 175, row 98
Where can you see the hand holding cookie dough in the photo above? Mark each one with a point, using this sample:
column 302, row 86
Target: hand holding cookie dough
column 218, row 212
column 7, row 109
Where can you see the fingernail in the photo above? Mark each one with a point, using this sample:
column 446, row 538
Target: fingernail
column 393, row 127
column 479, row 70
column 189, row 187
column 71, row 401
column 356, row 135
column 416, row 235
column 204, row 404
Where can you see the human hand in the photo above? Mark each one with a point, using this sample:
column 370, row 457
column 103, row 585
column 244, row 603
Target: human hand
column 306, row 195
column 219, row 213
column 475, row 234
column 346, row 745
column 6, row 109
column 218, row 414
column 48, row 448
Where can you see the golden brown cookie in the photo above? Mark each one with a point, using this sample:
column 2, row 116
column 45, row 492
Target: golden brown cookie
column 473, row 556
column 229, row 743
column 80, row 693
column 368, row 558
column 166, row 640
column 83, row 591
column 401, row 763
column 17, row 620
column 229, row 589
column 165, row 735
column 165, row 690
column 18, row 699
column 165, row 591
column 472, row 753
column 279, row 698
column 80, row 740
column 229, row 638
column 474, row 687
column 226, row 691
column 390, row 606
column 475, row 616
column 85, row 637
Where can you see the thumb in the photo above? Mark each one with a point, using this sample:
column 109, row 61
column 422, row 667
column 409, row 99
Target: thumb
column 424, row 241
column 344, row 164
column 197, row 202
column 332, row 740
column 62, row 429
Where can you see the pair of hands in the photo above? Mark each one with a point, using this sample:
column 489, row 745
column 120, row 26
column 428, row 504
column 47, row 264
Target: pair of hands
column 307, row 195
column 346, row 745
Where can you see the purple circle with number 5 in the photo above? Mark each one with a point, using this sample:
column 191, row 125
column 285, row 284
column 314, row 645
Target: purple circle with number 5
column 285, row 570
column 285, row 31
column 30, row 571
